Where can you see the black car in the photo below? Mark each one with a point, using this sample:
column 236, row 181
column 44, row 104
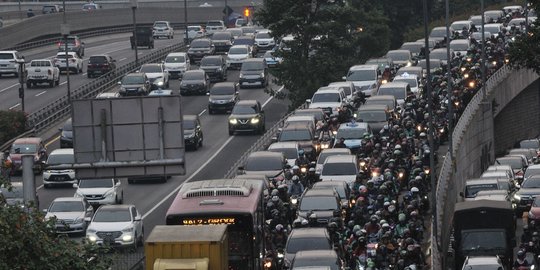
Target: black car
column 317, row 259
column 322, row 202
column 134, row 84
column 66, row 135
column 215, row 67
column 74, row 44
column 99, row 65
column 193, row 135
column 199, row 48
column 247, row 40
column 194, row 82
column 222, row 41
column 223, row 97
column 247, row 115
column 254, row 73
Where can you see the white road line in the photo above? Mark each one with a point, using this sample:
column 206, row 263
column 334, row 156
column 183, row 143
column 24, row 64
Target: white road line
column 40, row 187
column 39, row 94
column 122, row 59
column 201, row 113
column 8, row 87
column 14, row 106
column 84, row 74
column 63, row 83
column 271, row 97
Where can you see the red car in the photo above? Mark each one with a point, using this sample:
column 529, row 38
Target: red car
column 28, row 146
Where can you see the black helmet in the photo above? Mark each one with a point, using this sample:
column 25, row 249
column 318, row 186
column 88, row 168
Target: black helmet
column 521, row 254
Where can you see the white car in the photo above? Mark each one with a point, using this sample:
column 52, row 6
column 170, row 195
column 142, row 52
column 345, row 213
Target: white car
column 195, row 31
column 63, row 156
column 411, row 79
column 156, row 74
column 42, row 71
column 340, row 168
column 162, row 29
column 264, row 41
column 330, row 100
column 364, row 77
column 75, row 63
column 213, row 26
column 116, row 225
column 71, row 214
column 289, row 149
column 176, row 63
column 9, row 62
column 237, row 54
column 325, row 153
column 100, row 191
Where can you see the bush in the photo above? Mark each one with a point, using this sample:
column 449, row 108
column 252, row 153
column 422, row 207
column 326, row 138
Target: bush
column 12, row 124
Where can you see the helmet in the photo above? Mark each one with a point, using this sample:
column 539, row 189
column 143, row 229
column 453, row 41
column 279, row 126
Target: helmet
column 356, row 228
column 374, row 218
column 275, row 192
column 275, row 198
column 295, row 167
column 398, row 147
column 414, row 189
column 279, row 228
column 312, row 169
column 521, row 254
column 402, row 217
column 295, row 178
column 301, row 152
column 422, row 134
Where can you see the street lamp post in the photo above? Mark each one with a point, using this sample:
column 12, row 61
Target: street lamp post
column 22, row 76
column 134, row 5
column 186, row 38
column 64, row 30
column 483, row 64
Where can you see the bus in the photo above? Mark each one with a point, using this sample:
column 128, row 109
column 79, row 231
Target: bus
column 238, row 203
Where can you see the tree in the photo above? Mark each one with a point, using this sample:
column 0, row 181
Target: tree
column 524, row 52
column 29, row 242
column 329, row 37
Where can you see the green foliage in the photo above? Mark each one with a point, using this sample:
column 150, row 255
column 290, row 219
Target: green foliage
column 29, row 242
column 12, row 123
column 524, row 52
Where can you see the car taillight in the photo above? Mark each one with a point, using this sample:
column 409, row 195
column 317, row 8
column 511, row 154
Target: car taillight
column 59, row 44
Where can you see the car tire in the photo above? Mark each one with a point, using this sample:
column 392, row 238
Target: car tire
column 81, row 69
column 28, row 85
column 58, row 80
column 51, row 83
column 140, row 240
column 231, row 132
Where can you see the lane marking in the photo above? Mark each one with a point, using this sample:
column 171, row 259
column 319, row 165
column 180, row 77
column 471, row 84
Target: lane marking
column 14, row 106
column 156, row 206
column 9, row 87
column 122, row 59
column 201, row 113
column 39, row 94
column 52, row 141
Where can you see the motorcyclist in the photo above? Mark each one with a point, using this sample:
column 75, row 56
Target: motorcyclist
column 520, row 260
column 296, row 188
column 387, row 73
column 279, row 237
column 340, row 143
column 302, row 160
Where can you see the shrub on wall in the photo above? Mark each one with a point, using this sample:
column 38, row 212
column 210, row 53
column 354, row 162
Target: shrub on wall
column 12, row 123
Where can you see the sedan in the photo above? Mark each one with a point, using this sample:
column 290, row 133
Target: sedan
column 530, row 189
column 70, row 214
column 116, row 226
column 156, row 74
column 321, row 202
column 222, row 97
column 195, row 82
column 237, row 54
column 307, row 239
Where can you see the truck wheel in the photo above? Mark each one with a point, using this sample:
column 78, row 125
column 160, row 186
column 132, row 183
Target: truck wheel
column 51, row 83
column 58, row 80
column 28, row 85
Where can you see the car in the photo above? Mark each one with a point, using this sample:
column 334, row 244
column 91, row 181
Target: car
column 176, row 64
column 108, row 95
column 524, row 197
column 193, row 134
column 512, row 9
column 194, row 82
column 14, row 194
column 253, row 72
column 247, row 40
column 534, row 212
column 353, row 134
column 342, row 189
column 240, row 22
column 493, row 28
column 116, row 226
column 530, row 143
column 162, row 29
column 75, row 63
column 530, row 153
column 271, row 59
column 442, row 55
column 460, row 46
column 318, row 113
column 74, row 44
column 237, row 55
column 49, row 9
column 156, row 74
column 302, row 133
column 100, row 191
column 460, row 25
column 414, row 47
column 10, row 62
column 213, row 26
column 28, row 146
column 532, row 170
column 222, row 41
column 414, row 70
column 91, row 7
column 66, row 134
column 388, row 100
column 316, row 260
column 364, row 77
column 99, row 65
column 195, row 31
column 249, row 30
column 377, row 116
column 222, row 97
column 215, row 67
column 268, row 163
column 518, row 163
column 402, row 58
column 161, row 92
column 264, row 41
column 71, row 214
column 493, row 16
column 347, row 87
column 236, row 32
column 483, row 262
column 473, row 186
column 325, row 153
column 289, row 149
column 434, row 65
column 307, row 239
column 412, row 80
column 478, row 36
column 439, row 33
column 63, row 156
column 400, row 90
column 136, row 83
column 330, row 100
column 198, row 48
column 247, row 115
column 340, row 168
column 321, row 202
column 42, row 71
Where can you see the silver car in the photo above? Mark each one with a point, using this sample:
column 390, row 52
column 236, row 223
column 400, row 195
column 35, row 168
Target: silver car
column 70, row 214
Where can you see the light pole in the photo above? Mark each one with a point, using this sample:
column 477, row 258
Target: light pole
column 64, row 30
column 22, row 76
column 186, row 38
column 134, row 5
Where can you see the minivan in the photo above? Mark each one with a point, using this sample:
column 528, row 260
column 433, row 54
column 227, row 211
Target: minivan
column 253, row 72
column 364, row 77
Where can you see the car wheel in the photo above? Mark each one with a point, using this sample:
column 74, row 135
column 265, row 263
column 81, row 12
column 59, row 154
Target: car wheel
column 58, row 80
column 28, row 85
column 140, row 240
column 81, row 69
column 122, row 197
column 51, row 83
column 231, row 132
column 131, row 181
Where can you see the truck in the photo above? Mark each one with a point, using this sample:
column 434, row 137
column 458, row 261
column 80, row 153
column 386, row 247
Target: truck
column 484, row 228
column 203, row 247
column 144, row 36
column 42, row 71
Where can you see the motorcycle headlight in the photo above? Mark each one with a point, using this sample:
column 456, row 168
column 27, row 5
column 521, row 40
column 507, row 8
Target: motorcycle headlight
column 466, row 75
column 219, row 69
column 294, row 200
column 303, row 170
column 255, row 120
column 441, row 130
column 463, row 69
column 494, row 63
column 517, row 197
column 280, row 255
column 384, row 81
column 233, row 121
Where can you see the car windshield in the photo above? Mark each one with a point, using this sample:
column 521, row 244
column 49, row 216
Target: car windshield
column 96, row 183
column 413, row 47
column 477, row 240
column 222, row 90
column 160, row 24
column 175, row 59
column 248, row 30
column 362, row 75
column 439, row 55
column 263, row 164
column 200, row 44
column 324, row 155
column 110, row 215
column 531, row 183
column 6, row 56
column 28, row 148
column 492, row 29
column 515, row 163
column 295, row 135
column 194, row 28
column 61, row 159
column 318, row 203
column 193, row 76
column 459, row 46
column 399, row 93
column 532, row 171
column 530, row 144
column 399, row 56
column 97, row 60
column 151, row 69
column 221, row 36
column 345, row 168
column 438, row 32
column 243, row 41
column 252, row 66
column 238, row 50
column 264, row 35
column 471, row 190
column 350, row 133
column 296, row 244
column 459, row 25
column 372, row 116
column 133, row 80
column 388, row 102
column 11, row 194
column 244, row 109
column 67, row 206
column 290, row 153
column 316, row 262
column 210, row 61
column 413, row 82
column 326, row 97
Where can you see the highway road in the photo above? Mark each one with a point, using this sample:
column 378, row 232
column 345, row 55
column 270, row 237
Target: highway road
column 118, row 46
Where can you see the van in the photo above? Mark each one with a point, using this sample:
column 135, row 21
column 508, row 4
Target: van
column 64, row 156
column 365, row 78
column 9, row 63
column 473, row 186
column 398, row 89
column 340, row 168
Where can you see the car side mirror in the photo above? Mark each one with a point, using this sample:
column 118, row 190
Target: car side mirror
column 87, row 219
column 308, row 101
column 344, row 77
column 138, row 218
column 241, row 168
column 117, row 184
column 274, row 139
column 75, row 185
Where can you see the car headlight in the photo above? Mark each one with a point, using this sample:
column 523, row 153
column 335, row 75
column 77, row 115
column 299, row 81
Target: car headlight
column 241, row 76
column 219, row 69
column 128, row 229
column 294, row 200
column 517, row 197
column 255, row 120
column 127, row 238
column 233, row 121
column 108, row 193
column 160, row 83
column 92, row 238
column 262, row 74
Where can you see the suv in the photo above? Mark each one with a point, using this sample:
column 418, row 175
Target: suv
column 270, row 164
column 364, row 77
column 66, row 135
column 63, row 176
column 74, row 45
column 116, row 225
column 215, row 67
column 136, row 84
column 176, row 64
column 199, row 48
column 162, row 29
column 302, row 133
column 28, row 146
column 9, row 63
column 99, row 65
column 213, row 26
column 340, row 168
column 223, row 96
column 193, row 135
column 100, row 191
column 47, row 9
column 222, row 41
column 156, row 74
column 253, row 72
column 330, row 100
column 194, row 81
column 264, row 41
column 377, row 116
column 247, row 115
column 307, row 238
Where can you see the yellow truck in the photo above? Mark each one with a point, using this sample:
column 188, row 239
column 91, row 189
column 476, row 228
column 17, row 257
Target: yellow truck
column 202, row 247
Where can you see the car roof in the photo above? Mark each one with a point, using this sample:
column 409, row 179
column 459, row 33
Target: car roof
column 68, row 199
column 319, row 193
column 301, row 117
column 249, row 102
column 281, row 145
column 364, row 67
column 239, row 46
column 115, row 207
column 133, row 74
column 373, row 107
column 381, row 97
column 535, row 166
column 331, row 90
column 309, row 232
column 394, row 84
column 28, row 140
column 481, row 260
column 330, row 183
column 151, row 64
column 296, row 126
column 499, row 167
column 459, row 41
column 398, row 51
column 462, row 21
column 177, row 54
column 256, row 60
column 62, row 151
column 482, row 181
column 341, row 159
column 336, row 151
column 265, row 154
column 195, row 71
column 316, row 254
column 228, row 84
column 213, row 56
